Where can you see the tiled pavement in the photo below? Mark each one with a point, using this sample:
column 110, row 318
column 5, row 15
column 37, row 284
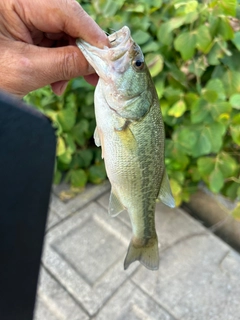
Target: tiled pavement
column 82, row 274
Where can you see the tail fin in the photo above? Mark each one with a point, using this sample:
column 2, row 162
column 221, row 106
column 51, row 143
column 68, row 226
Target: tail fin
column 147, row 255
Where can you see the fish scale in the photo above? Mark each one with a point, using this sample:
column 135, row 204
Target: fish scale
column 130, row 131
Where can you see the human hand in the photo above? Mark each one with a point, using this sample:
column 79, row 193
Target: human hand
column 38, row 47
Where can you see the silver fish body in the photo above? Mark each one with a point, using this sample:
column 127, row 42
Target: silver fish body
column 130, row 131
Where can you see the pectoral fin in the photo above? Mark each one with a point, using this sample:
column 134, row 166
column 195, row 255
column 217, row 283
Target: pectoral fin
column 97, row 138
column 115, row 205
column 165, row 193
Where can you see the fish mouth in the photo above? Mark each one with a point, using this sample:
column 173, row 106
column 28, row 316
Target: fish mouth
column 119, row 41
column 114, row 55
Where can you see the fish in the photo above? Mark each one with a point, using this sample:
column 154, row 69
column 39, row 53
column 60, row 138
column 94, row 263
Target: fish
column 130, row 131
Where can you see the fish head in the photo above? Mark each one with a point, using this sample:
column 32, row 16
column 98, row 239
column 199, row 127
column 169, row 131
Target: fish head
column 123, row 72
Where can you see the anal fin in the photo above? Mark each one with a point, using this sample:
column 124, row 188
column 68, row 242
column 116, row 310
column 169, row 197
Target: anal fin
column 115, row 205
column 165, row 193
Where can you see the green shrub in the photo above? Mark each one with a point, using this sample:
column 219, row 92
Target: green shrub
column 193, row 51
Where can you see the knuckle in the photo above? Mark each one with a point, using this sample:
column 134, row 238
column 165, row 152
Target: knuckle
column 69, row 65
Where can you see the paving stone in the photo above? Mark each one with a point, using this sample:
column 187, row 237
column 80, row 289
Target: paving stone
column 215, row 211
column 54, row 303
column 130, row 303
column 65, row 208
column 53, row 219
column 171, row 225
column 86, row 253
column 42, row 311
column 198, row 278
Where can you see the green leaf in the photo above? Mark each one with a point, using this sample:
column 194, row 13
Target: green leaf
column 174, row 156
column 209, row 95
column 155, row 3
column 235, row 101
column 190, row 99
column 208, row 139
column 231, row 82
column 176, row 190
column 78, row 178
column 225, row 29
column 109, row 8
column 191, row 6
column 235, row 133
column 232, row 189
column 176, row 73
column 141, row 37
column 67, row 118
column 151, row 47
column 61, row 147
column 97, row 173
column 216, row 53
column 154, row 63
column 57, row 177
column 220, row 110
column 185, row 43
column 215, row 170
column 204, row 39
column 199, row 111
column 203, row 144
column 172, row 94
column 164, row 33
column 232, row 61
column 79, row 132
column 217, row 86
column 216, row 181
column 178, row 109
column 71, row 146
column 228, row 6
column 66, row 157
column 186, row 138
column 139, row 7
column 205, row 166
column 215, row 133
column 83, row 158
column 159, row 85
column 227, row 164
column 236, row 39
column 191, row 17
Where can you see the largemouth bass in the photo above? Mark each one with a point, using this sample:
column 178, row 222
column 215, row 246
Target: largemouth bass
column 130, row 131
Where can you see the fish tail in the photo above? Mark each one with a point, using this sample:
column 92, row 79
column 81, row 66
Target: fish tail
column 146, row 254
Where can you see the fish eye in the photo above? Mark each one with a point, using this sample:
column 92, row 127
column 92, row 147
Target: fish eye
column 138, row 64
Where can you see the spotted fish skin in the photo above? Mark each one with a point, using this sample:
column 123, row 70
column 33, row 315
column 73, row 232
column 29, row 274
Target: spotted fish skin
column 130, row 131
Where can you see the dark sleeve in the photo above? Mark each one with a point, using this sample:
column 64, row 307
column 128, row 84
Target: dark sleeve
column 27, row 155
